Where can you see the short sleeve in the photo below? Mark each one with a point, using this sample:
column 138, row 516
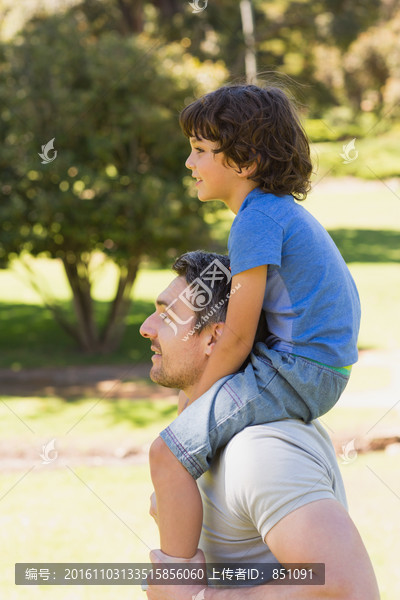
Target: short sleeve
column 273, row 477
column 255, row 239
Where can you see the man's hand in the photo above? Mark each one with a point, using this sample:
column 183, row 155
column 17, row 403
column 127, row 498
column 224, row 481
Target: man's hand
column 153, row 507
column 175, row 592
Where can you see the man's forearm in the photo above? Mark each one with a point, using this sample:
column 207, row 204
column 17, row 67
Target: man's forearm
column 277, row 592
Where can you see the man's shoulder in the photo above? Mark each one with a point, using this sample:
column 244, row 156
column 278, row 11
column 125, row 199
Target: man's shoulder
column 272, row 468
column 267, row 471
column 279, row 444
column 288, row 431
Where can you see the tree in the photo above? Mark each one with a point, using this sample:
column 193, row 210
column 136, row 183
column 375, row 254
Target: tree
column 111, row 104
column 372, row 68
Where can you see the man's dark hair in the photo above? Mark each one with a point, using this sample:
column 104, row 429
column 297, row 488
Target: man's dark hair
column 255, row 125
column 191, row 265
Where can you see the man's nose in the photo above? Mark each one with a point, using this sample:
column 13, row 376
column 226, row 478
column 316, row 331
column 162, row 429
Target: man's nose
column 147, row 329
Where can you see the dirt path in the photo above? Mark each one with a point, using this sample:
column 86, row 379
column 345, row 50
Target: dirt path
column 119, row 381
column 132, row 381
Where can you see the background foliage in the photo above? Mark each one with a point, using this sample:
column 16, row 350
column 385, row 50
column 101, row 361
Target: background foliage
column 117, row 184
column 107, row 79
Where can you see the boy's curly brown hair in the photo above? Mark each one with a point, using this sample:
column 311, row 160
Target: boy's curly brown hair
column 255, row 125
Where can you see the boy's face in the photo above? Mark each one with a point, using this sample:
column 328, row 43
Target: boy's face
column 215, row 180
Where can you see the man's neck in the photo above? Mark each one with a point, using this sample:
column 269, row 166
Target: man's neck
column 183, row 398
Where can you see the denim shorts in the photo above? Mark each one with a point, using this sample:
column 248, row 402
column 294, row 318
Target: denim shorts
column 273, row 386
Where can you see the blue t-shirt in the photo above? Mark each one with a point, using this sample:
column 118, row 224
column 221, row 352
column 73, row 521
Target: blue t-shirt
column 311, row 303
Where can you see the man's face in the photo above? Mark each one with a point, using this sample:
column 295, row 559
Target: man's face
column 176, row 363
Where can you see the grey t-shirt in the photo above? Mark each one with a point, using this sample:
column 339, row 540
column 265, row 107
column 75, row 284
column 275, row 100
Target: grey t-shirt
column 264, row 473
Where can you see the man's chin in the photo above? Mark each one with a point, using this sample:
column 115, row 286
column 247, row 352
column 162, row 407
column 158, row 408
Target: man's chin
column 160, row 378
column 154, row 376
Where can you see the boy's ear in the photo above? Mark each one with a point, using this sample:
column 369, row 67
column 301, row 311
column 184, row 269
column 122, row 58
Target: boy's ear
column 247, row 172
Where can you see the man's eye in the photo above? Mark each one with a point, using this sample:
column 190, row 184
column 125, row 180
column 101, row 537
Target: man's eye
column 198, row 149
column 165, row 317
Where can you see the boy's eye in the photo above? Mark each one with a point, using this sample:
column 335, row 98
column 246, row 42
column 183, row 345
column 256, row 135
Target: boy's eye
column 198, row 149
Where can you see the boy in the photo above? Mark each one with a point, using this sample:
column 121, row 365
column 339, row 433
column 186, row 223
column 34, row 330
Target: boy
column 249, row 150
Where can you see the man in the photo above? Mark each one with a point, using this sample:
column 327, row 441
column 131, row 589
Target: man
column 274, row 493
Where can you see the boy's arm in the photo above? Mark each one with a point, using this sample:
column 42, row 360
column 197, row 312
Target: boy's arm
column 236, row 341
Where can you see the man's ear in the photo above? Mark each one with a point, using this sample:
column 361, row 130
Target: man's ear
column 215, row 332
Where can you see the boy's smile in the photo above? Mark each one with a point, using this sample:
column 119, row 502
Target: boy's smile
column 215, row 179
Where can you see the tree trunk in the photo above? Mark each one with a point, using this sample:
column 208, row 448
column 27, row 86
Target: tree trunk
column 78, row 277
column 115, row 324
column 49, row 302
column 168, row 8
column 246, row 13
column 132, row 16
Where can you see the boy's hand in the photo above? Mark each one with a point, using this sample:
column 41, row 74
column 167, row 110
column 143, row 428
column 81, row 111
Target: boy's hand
column 239, row 331
column 159, row 557
column 175, row 592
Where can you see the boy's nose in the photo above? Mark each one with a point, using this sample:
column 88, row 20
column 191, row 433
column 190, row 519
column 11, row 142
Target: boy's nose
column 189, row 162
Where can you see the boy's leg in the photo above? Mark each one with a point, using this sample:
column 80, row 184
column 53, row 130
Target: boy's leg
column 274, row 386
column 179, row 506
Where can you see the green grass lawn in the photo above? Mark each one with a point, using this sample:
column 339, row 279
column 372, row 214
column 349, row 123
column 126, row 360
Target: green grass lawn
column 99, row 514
column 82, row 424
column 29, row 337
column 77, row 513
column 373, row 492
column 378, row 155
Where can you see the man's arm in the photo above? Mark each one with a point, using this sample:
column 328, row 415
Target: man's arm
column 319, row 532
